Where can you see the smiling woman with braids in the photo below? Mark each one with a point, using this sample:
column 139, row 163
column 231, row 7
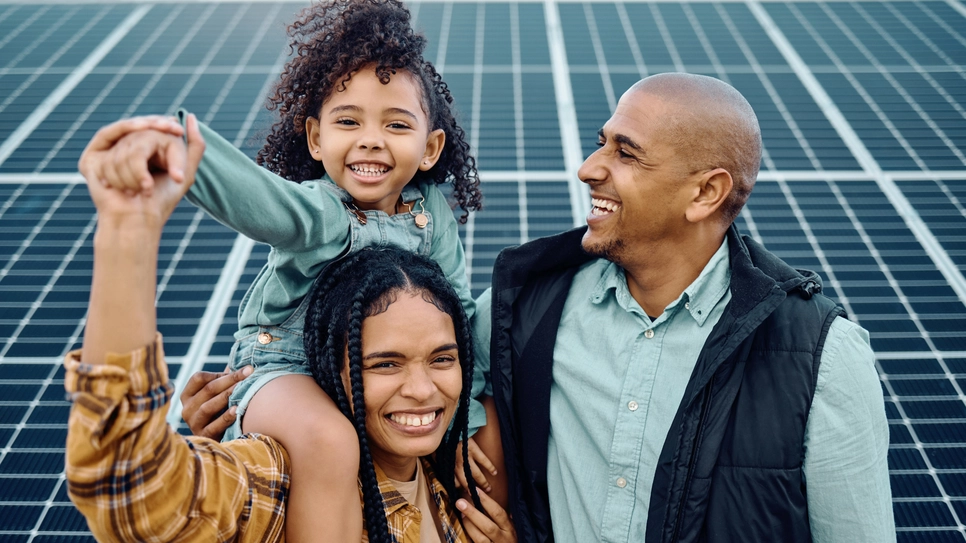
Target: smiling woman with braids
column 364, row 136
column 386, row 338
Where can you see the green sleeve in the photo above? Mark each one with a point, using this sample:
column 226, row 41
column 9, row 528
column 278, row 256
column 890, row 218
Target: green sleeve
column 292, row 217
column 447, row 251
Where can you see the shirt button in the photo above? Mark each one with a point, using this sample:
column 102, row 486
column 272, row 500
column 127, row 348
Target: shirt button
column 649, row 333
column 632, row 405
column 687, row 305
column 265, row 338
column 621, row 482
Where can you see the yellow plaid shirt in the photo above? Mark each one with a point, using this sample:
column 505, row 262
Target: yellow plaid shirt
column 135, row 479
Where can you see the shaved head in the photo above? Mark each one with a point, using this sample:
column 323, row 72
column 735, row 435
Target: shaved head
column 711, row 125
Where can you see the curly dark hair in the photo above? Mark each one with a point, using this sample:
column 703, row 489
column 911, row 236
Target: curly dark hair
column 331, row 41
column 359, row 286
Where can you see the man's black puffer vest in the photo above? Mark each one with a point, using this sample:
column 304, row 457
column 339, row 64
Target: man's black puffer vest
column 731, row 467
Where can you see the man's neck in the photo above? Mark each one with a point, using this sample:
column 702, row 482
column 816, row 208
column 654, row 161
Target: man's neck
column 661, row 276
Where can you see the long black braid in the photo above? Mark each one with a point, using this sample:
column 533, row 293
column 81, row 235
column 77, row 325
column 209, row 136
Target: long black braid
column 361, row 285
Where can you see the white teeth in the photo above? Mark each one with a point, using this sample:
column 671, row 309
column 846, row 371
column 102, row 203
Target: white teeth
column 413, row 420
column 603, row 207
column 369, row 169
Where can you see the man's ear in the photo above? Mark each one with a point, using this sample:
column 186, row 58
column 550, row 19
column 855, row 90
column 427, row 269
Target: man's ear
column 434, row 148
column 714, row 187
column 313, row 137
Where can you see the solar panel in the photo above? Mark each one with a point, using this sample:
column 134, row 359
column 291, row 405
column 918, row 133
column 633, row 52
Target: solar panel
column 863, row 113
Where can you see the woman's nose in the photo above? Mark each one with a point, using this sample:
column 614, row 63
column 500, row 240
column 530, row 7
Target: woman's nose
column 419, row 384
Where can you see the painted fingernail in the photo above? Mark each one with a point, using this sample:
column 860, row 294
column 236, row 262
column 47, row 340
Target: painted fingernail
column 461, row 504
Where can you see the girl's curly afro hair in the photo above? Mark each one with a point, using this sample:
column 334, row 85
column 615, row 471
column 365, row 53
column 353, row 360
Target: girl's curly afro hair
column 331, row 41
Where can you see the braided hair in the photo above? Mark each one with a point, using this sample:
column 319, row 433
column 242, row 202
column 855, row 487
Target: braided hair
column 333, row 40
column 363, row 284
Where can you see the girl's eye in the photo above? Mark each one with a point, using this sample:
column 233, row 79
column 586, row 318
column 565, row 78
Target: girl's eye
column 346, row 121
column 381, row 365
column 624, row 154
column 600, row 143
column 444, row 360
column 399, row 126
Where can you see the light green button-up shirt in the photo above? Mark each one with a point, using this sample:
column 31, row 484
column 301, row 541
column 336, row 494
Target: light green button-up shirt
column 619, row 377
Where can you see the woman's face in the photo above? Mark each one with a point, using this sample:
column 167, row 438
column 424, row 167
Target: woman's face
column 412, row 380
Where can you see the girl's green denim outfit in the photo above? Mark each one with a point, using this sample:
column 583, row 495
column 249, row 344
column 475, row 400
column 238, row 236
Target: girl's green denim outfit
column 308, row 226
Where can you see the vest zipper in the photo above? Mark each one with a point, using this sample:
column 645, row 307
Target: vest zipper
column 694, row 454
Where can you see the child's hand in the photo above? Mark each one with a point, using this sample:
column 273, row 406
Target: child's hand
column 125, row 155
column 477, row 459
column 97, row 157
column 493, row 524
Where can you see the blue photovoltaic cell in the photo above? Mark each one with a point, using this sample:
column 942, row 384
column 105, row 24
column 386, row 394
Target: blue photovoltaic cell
column 862, row 107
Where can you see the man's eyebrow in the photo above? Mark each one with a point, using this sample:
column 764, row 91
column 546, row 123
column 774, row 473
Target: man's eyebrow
column 622, row 139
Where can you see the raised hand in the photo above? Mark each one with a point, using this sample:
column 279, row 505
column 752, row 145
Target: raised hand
column 149, row 151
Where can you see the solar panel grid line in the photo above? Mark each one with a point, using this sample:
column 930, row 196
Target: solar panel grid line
column 518, row 132
column 7, row 12
column 952, row 197
column 202, row 66
column 958, row 6
column 20, row 29
column 234, row 267
column 178, row 254
column 892, row 80
column 860, row 89
column 916, row 31
column 773, row 94
column 41, row 39
column 814, row 88
column 935, row 251
column 149, row 86
column 239, row 68
column 817, row 249
column 602, row 67
column 923, row 234
column 108, row 88
column 719, row 68
column 30, row 237
column 662, row 28
column 631, row 37
column 84, row 235
column 906, row 420
column 444, row 29
column 218, row 303
column 894, row 284
column 37, row 116
column 941, row 22
column 566, row 112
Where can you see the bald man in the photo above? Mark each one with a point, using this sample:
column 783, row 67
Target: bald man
column 659, row 377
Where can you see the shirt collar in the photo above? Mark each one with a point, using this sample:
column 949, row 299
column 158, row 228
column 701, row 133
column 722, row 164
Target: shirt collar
column 698, row 299
column 410, row 193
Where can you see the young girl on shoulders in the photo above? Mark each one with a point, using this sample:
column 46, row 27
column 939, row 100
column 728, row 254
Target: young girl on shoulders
column 366, row 131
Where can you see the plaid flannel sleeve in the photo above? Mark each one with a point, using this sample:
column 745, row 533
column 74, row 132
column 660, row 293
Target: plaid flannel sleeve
column 135, row 479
